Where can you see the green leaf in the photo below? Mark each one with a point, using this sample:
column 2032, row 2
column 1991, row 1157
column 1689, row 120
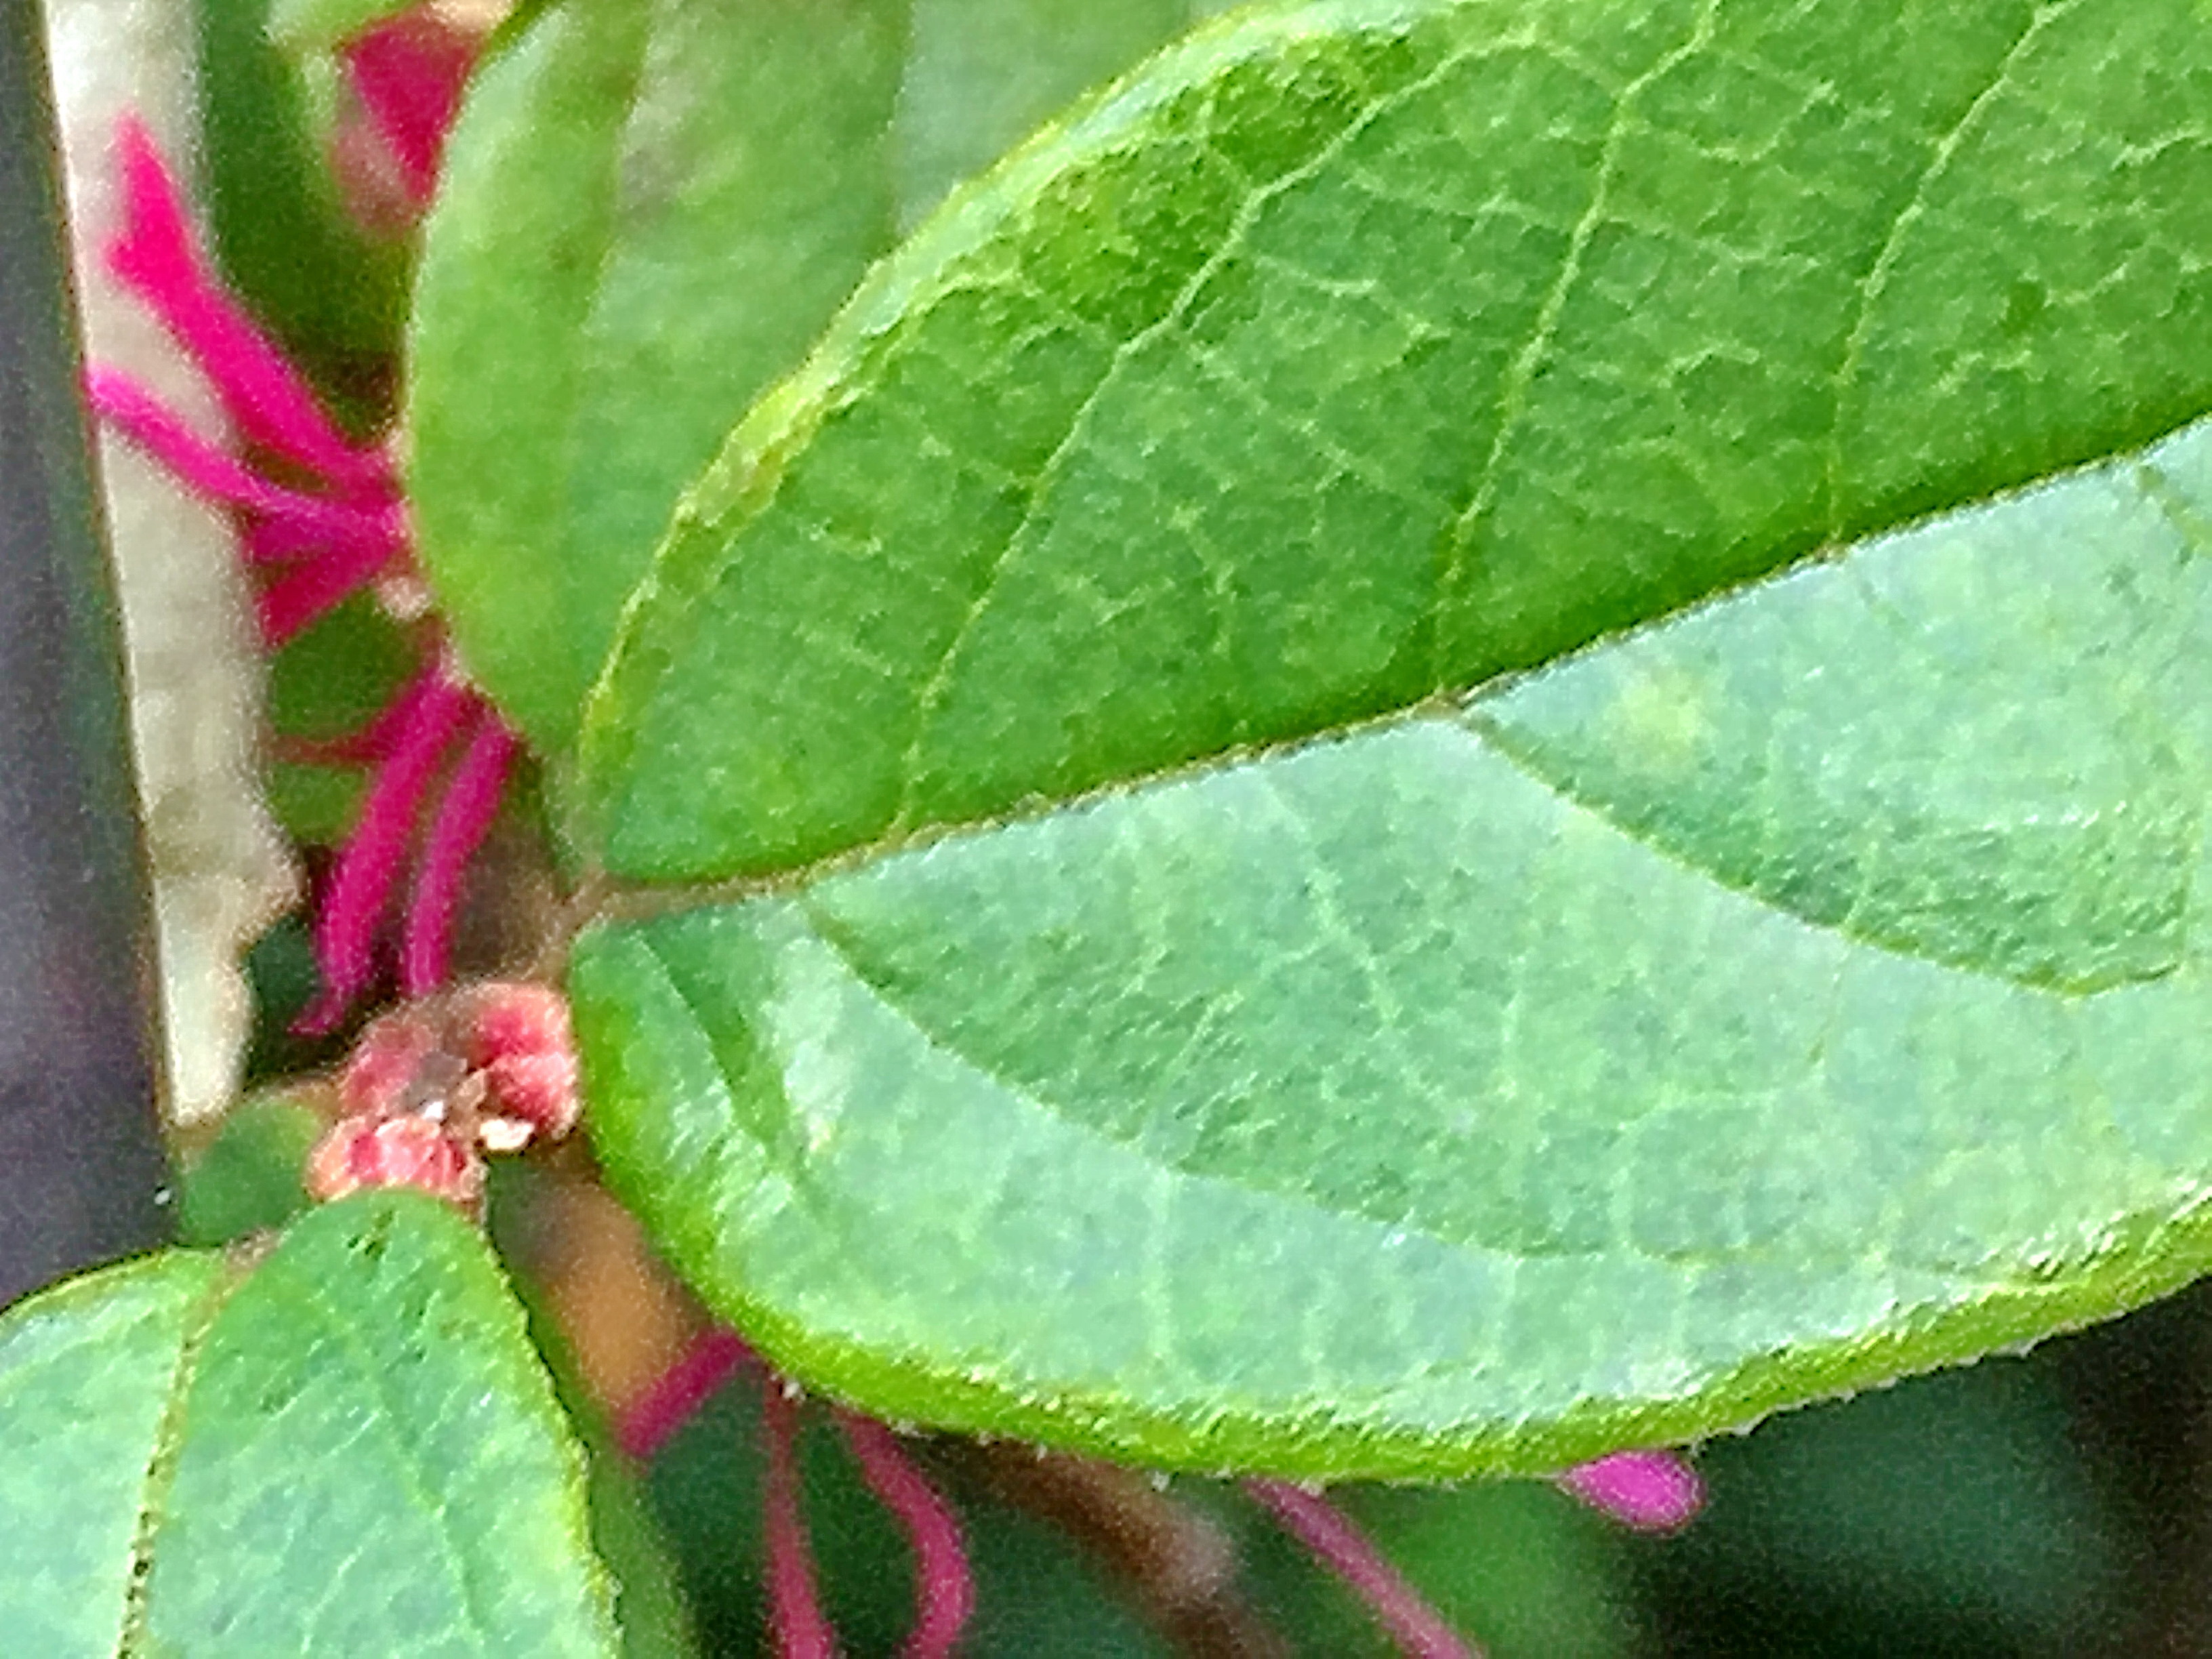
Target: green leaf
column 334, row 294
column 1058, row 502
column 648, row 212
column 248, row 1178
column 350, row 1449
column 1773, row 997
column 333, row 681
column 340, row 673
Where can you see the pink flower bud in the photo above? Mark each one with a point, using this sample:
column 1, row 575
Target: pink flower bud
column 390, row 1053
column 518, row 1040
column 539, row 1090
column 394, row 1151
column 1650, row 1491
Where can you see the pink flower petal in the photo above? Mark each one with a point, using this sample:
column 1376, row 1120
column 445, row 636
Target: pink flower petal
column 675, row 1398
column 311, row 521
column 464, row 814
column 944, row 1592
column 795, row 1616
column 345, row 930
column 1650, row 1491
column 322, row 580
column 268, row 400
column 409, row 73
column 1418, row 1630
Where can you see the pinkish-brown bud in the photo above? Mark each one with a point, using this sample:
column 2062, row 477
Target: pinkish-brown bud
column 539, row 1090
column 506, row 1016
column 394, row 1151
column 390, row 1055
column 518, row 1042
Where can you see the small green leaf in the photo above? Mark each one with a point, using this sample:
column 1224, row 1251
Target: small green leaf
column 318, row 805
column 340, row 673
column 351, row 1449
column 332, row 292
column 248, row 1178
column 1166, row 988
column 648, row 211
column 330, row 683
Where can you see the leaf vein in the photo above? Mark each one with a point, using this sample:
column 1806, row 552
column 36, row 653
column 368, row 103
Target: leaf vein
column 938, row 683
column 1871, row 287
column 161, row 1465
column 1521, row 369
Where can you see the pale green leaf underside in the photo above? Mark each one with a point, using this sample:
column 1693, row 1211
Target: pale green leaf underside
column 1191, row 1001
column 351, row 1450
column 1495, row 1083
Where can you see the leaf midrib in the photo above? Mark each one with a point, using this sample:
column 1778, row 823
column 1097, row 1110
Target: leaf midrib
column 131, row 1642
column 603, row 896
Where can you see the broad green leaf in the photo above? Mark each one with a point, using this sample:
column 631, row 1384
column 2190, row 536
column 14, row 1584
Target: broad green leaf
column 1369, row 350
column 649, row 211
column 1236, row 1022
column 1418, row 1100
column 348, row 1449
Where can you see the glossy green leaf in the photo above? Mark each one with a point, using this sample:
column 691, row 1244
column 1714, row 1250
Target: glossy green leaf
column 1432, row 1098
column 649, row 211
column 1369, row 350
column 348, row 1448
column 1238, row 1023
